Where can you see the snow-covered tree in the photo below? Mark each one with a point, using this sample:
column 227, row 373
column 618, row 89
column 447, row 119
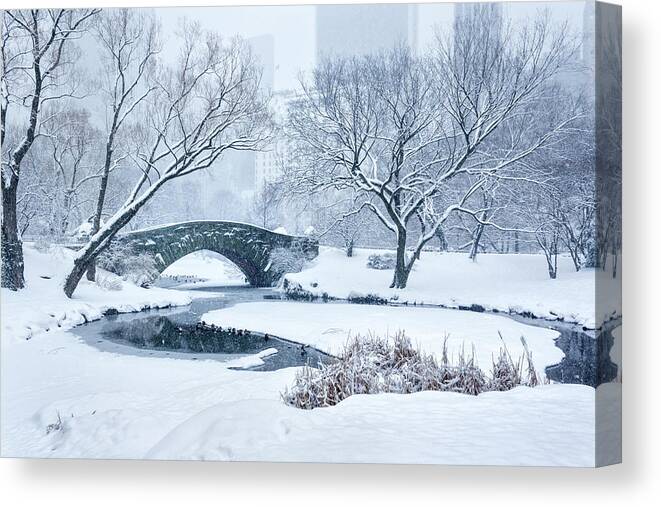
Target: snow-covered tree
column 73, row 145
column 266, row 203
column 129, row 42
column 207, row 103
column 413, row 134
column 36, row 49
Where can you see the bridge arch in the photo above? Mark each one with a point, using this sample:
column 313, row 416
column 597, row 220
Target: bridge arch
column 247, row 246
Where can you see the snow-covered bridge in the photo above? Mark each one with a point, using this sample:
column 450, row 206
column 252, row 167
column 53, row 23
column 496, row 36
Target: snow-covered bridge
column 247, row 246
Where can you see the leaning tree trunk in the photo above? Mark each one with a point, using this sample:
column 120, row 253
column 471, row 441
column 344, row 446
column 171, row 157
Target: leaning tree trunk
column 88, row 254
column 401, row 275
column 12, row 246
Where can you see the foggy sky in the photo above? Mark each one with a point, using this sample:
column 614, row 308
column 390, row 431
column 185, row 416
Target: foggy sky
column 293, row 27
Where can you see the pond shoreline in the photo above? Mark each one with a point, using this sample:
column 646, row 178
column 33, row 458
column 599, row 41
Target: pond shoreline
column 568, row 332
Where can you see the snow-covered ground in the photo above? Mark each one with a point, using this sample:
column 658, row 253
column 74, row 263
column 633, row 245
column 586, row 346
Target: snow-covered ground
column 328, row 326
column 124, row 406
column 206, row 268
column 550, row 425
column 516, row 282
column 64, row 398
column 42, row 305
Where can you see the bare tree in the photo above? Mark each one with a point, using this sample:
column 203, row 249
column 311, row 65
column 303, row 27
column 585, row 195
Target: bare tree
column 547, row 229
column 35, row 48
column 129, row 41
column 412, row 134
column 341, row 221
column 206, row 104
column 266, row 203
column 73, row 144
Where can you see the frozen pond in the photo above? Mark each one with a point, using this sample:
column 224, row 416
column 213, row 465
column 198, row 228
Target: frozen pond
column 176, row 332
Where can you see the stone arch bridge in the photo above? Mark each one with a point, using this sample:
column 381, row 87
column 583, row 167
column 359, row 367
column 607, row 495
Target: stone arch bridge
column 247, row 246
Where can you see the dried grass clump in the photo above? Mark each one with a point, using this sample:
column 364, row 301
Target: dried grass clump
column 372, row 365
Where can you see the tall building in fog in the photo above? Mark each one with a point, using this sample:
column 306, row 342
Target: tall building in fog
column 239, row 168
column 588, row 46
column 263, row 49
column 492, row 12
column 346, row 30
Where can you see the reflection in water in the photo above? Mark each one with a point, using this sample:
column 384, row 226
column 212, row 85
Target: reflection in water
column 162, row 332
column 587, row 356
column 177, row 330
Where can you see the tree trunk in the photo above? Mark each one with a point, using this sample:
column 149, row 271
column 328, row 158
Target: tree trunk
column 401, row 275
column 517, row 247
column 100, row 202
column 576, row 258
column 88, row 254
column 12, row 248
column 477, row 237
column 443, row 243
column 552, row 262
column 349, row 248
column 72, row 281
column 99, row 242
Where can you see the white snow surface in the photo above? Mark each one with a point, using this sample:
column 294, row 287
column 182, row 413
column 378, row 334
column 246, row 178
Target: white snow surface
column 42, row 305
column 550, row 425
column 212, row 268
column 123, row 406
column 328, row 326
column 506, row 282
column 64, row 398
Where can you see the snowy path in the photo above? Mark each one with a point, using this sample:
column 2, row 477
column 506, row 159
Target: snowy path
column 327, row 327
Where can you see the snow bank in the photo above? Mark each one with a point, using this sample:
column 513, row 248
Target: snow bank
column 550, row 425
column 506, row 282
column 327, row 327
column 42, row 305
column 111, row 405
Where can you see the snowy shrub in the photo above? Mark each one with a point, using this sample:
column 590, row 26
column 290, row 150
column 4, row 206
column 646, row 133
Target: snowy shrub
column 366, row 299
column 139, row 269
column 507, row 374
column 287, row 260
column 108, row 281
column 42, row 245
column 295, row 292
column 58, row 425
column 370, row 365
column 382, row 261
